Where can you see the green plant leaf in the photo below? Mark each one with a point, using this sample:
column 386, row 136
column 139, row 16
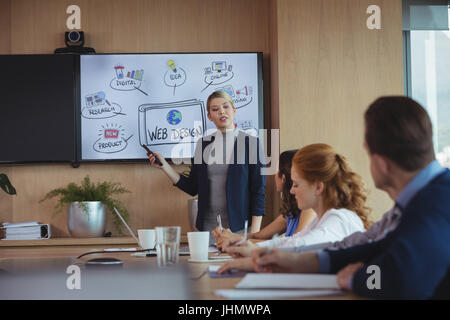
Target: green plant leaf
column 89, row 191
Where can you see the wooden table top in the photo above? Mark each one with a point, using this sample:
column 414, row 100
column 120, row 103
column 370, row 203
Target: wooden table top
column 202, row 285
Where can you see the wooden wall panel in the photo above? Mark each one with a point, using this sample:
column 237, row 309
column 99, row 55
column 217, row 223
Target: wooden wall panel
column 330, row 68
column 322, row 67
column 273, row 198
column 145, row 25
column 5, row 27
column 152, row 201
column 116, row 26
column 5, row 48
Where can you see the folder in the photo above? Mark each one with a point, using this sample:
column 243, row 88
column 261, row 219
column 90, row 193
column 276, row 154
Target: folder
column 21, row 231
column 288, row 281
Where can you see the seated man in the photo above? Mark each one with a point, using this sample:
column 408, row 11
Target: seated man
column 413, row 259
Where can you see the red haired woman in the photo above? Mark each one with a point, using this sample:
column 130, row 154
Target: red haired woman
column 324, row 182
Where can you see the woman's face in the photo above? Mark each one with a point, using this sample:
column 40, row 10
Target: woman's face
column 221, row 113
column 306, row 194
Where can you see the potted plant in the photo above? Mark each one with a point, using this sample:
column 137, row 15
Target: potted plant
column 86, row 206
column 6, row 185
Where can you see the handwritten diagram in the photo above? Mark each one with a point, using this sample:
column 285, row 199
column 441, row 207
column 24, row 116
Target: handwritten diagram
column 218, row 73
column 127, row 80
column 160, row 98
column 174, row 77
column 241, row 97
column 112, row 139
column 98, row 107
column 171, row 123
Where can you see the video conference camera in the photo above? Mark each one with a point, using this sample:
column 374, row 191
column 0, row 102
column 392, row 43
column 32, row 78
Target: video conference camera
column 74, row 41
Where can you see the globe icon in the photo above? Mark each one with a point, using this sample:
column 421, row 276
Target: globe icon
column 174, row 117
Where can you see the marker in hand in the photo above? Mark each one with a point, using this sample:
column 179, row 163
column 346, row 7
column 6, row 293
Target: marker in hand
column 219, row 222
column 245, row 234
column 152, row 153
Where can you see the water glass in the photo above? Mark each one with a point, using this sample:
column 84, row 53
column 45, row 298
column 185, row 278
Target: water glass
column 167, row 245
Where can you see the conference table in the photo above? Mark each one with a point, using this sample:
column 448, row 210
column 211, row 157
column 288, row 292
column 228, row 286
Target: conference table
column 14, row 260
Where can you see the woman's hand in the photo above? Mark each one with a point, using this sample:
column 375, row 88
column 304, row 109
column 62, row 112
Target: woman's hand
column 217, row 234
column 244, row 264
column 152, row 159
column 284, row 261
column 275, row 261
column 242, row 250
column 224, row 237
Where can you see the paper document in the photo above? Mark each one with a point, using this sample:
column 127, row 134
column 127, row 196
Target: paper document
column 221, row 257
column 288, row 281
column 274, row 294
column 25, row 231
column 20, row 224
column 212, row 249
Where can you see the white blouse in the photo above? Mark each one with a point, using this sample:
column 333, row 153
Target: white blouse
column 334, row 225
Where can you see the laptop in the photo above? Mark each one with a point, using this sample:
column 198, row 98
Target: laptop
column 183, row 250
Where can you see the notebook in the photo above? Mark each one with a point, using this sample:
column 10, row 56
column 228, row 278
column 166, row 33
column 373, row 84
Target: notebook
column 288, row 281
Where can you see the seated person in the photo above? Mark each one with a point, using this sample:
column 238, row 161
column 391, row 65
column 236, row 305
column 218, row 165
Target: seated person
column 377, row 231
column 413, row 259
column 323, row 181
column 291, row 219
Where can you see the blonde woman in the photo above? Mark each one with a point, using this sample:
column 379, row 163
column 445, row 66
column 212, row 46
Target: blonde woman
column 224, row 186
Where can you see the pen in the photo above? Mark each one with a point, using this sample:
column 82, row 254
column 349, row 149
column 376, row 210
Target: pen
column 219, row 222
column 245, row 230
column 245, row 234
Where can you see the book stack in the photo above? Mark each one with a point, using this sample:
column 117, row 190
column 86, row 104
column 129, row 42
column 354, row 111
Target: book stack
column 25, row 231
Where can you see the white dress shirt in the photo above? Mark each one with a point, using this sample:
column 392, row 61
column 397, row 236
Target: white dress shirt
column 334, row 225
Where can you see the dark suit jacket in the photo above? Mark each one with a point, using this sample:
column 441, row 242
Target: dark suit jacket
column 244, row 187
column 414, row 259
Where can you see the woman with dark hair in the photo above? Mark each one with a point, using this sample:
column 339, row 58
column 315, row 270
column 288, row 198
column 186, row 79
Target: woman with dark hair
column 291, row 219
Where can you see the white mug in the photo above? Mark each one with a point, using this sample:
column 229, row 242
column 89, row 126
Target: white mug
column 198, row 245
column 147, row 238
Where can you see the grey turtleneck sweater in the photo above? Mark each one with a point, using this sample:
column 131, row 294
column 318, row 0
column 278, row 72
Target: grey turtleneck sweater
column 218, row 160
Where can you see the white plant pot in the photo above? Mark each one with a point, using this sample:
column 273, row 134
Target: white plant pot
column 86, row 224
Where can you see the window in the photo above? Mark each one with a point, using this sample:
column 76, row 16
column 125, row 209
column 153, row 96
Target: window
column 428, row 82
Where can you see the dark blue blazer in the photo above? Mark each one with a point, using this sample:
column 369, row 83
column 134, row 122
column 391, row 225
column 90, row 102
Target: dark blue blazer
column 414, row 259
column 244, row 187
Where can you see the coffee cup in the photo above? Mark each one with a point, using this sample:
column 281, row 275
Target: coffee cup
column 198, row 245
column 147, row 238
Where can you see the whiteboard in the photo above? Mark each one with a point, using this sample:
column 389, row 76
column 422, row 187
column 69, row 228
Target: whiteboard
column 160, row 100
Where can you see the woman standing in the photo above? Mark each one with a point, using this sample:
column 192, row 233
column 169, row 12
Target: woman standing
column 223, row 176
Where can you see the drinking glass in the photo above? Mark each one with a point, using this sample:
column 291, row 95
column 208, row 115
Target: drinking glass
column 167, row 245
